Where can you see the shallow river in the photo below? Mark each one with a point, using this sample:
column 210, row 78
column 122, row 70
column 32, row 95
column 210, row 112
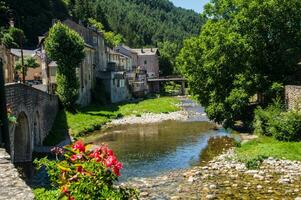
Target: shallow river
column 151, row 149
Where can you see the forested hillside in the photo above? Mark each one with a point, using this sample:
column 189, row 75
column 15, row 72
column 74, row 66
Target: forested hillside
column 141, row 22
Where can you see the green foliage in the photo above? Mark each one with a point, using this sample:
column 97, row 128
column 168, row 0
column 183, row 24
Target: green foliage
column 255, row 162
column 245, row 48
column 287, row 126
column 66, row 47
column 264, row 118
column 168, row 54
column 35, row 16
column 44, row 194
column 86, row 172
column 13, row 38
column 268, row 147
column 273, row 121
column 29, row 62
column 172, row 88
column 136, row 19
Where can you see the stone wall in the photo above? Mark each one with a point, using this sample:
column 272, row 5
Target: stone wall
column 11, row 185
column 35, row 111
column 293, row 96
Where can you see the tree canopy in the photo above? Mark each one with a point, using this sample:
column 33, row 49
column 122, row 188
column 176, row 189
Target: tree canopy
column 66, row 47
column 246, row 47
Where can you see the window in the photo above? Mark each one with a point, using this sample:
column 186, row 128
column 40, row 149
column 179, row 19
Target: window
column 52, row 71
column 145, row 62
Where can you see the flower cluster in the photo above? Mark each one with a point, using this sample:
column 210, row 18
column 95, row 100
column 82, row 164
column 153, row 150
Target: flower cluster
column 85, row 170
column 101, row 154
column 10, row 116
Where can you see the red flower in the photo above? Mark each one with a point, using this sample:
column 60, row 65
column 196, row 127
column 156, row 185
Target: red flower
column 79, row 145
column 76, row 157
column 80, row 170
column 65, row 189
column 96, row 155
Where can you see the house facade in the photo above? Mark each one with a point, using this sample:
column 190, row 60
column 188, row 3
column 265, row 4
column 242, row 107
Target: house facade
column 114, row 79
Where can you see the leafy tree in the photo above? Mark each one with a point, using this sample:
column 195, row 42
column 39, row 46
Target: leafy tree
column 29, row 62
column 66, row 47
column 13, row 38
column 168, row 54
column 245, row 48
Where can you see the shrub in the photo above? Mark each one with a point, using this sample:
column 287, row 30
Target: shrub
column 265, row 117
column 86, row 172
column 255, row 162
column 287, row 127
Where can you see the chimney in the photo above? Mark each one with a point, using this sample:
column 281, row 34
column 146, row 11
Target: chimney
column 151, row 49
column 142, row 50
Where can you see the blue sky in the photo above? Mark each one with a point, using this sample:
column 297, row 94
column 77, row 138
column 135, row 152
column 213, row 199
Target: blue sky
column 196, row 5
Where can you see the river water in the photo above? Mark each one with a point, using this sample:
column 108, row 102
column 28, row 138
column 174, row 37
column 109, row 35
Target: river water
column 151, row 149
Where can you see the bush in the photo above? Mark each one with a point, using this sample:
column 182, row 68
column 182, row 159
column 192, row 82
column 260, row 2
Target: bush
column 255, row 162
column 287, row 127
column 86, row 172
column 265, row 117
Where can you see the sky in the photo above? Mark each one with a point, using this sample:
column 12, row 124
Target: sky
column 196, row 5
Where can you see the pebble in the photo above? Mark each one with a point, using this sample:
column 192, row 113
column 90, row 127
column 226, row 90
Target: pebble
column 210, row 196
column 212, row 187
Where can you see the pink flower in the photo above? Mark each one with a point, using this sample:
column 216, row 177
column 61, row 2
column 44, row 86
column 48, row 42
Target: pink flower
column 111, row 160
column 79, row 145
column 76, row 157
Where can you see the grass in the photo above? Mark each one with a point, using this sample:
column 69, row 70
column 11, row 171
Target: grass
column 92, row 117
column 268, row 147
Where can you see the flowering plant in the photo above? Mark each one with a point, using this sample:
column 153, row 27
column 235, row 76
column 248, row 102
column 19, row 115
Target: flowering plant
column 10, row 116
column 86, row 172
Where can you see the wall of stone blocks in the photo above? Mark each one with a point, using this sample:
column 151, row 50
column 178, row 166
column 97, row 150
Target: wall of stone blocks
column 293, row 96
column 39, row 108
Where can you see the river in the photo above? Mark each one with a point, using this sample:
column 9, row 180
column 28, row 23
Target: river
column 151, row 149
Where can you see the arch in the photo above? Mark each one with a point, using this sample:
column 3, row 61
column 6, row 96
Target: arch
column 22, row 141
column 36, row 130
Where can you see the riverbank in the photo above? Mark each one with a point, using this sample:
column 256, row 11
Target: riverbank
column 226, row 178
column 93, row 117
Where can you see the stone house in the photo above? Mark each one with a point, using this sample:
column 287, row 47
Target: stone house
column 138, row 76
column 114, row 79
column 148, row 59
column 32, row 74
column 12, row 56
column 93, row 64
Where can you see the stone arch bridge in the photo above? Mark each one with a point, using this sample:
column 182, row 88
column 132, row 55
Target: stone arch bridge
column 35, row 112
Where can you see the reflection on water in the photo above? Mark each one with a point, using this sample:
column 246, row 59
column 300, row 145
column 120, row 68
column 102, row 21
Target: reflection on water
column 148, row 150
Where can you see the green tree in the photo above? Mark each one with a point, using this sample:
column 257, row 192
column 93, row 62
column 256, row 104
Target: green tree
column 13, row 38
column 66, row 47
column 29, row 62
column 245, row 48
column 168, row 54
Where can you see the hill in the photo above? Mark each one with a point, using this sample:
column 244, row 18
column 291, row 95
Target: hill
column 141, row 22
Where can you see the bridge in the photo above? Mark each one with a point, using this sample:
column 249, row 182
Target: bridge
column 35, row 112
column 154, row 83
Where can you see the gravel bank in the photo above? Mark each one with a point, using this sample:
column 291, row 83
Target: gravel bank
column 149, row 118
column 226, row 178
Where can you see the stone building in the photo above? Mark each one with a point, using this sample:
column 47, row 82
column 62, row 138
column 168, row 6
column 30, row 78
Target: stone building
column 32, row 73
column 114, row 79
column 148, row 59
column 93, row 64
